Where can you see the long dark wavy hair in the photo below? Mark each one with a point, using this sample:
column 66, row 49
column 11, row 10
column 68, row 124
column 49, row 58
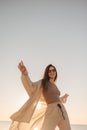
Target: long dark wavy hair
column 45, row 78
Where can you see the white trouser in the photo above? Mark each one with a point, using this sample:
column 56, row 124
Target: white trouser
column 56, row 116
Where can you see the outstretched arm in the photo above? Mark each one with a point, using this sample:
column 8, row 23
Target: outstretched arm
column 25, row 78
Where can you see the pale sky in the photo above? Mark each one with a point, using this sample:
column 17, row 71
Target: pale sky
column 41, row 32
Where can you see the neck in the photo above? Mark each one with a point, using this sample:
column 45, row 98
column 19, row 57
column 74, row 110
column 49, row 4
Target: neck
column 51, row 80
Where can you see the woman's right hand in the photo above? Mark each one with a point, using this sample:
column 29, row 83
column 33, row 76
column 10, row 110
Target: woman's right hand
column 22, row 67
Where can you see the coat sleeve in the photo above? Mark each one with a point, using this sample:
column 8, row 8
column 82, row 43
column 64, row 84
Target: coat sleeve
column 28, row 84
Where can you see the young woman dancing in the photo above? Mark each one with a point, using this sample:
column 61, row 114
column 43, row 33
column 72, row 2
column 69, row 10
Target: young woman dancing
column 44, row 110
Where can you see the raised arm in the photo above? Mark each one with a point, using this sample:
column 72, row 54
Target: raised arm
column 27, row 83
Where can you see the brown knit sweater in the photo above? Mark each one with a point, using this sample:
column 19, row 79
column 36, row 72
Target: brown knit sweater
column 52, row 93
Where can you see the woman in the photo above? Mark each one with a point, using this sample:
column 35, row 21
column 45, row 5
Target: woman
column 44, row 109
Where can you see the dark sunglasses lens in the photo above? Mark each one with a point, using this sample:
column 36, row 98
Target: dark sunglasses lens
column 53, row 70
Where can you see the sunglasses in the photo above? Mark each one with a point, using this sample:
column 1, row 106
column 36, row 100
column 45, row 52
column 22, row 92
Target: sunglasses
column 52, row 70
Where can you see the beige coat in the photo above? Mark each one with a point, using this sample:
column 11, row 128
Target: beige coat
column 34, row 90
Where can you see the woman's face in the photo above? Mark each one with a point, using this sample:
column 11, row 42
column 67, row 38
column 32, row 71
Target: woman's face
column 52, row 73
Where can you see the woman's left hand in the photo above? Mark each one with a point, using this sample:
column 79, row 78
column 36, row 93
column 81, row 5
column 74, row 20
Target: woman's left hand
column 64, row 98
